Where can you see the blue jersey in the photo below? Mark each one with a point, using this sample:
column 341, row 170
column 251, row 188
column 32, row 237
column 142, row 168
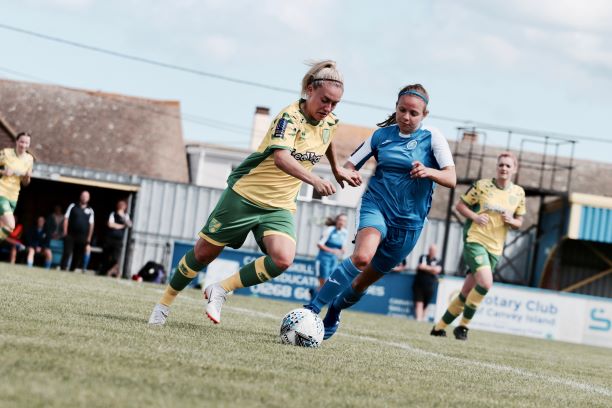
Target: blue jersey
column 403, row 201
column 333, row 238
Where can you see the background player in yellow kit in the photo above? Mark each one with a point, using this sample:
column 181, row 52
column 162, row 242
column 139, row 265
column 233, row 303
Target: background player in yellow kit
column 262, row 192
column 16, row 169
column 491, row 206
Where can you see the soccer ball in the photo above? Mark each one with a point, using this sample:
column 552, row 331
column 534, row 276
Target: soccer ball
column 302, row 327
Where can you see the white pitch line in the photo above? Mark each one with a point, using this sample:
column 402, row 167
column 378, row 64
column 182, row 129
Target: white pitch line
column 407, row 347
column 492, row 366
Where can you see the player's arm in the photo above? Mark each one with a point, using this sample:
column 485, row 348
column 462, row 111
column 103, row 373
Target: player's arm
column 513, row 221
column 342, row 174
column 66, row 216
column 112, row 224
column 284, row 161
column 91, row 228
column 27, row 177
column 463, row 209
column 445, row 177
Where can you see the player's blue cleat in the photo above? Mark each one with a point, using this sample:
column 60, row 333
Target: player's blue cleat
column 331, row 322
column 314, row 309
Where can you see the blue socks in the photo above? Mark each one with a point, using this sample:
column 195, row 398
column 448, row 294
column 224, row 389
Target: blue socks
column 340, row 278
column 86, row 259
column 347, row 298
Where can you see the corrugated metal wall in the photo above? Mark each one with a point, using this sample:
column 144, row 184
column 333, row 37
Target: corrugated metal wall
column 165, row 212
column 596, row 224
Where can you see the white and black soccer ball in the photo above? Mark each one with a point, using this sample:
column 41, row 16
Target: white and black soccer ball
column 302, row 327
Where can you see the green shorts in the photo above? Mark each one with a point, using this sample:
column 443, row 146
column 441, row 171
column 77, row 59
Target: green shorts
column 234, row 216
column 477, row 257
column 7, row 206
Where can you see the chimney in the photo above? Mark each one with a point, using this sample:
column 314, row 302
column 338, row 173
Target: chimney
column 261, row 123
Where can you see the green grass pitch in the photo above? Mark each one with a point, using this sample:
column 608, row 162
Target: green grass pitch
column 70, row 340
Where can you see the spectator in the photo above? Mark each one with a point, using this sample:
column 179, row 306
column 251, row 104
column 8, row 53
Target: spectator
column 78, row 230
column 425, row 281
column 55, row 224
column 118, row 222
column 55, row 234
column 37, row 242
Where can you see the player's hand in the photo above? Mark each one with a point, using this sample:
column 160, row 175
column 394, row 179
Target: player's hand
column 324, row 187
column 352, row 177
column 419, row 170
column 507, row 217
column 481, row 219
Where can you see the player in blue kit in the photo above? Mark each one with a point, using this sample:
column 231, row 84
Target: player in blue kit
column 411, row 159
column 331, row 247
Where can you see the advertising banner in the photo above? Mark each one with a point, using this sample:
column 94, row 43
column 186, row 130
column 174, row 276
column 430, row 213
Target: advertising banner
column 536, row 313
column 392, row 295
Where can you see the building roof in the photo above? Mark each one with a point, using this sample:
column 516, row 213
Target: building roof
column 95, row 130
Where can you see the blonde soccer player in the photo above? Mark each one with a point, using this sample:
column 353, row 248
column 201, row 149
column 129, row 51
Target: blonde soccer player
column 262, row 191
column 15, row 170
column 491, row 207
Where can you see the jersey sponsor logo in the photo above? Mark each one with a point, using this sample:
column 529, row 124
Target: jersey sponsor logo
column 494, row 208
column 279, row 131
column 385, row 142
column 214, row 225
column 308, row 156
column 411, row 145
column 332, row 280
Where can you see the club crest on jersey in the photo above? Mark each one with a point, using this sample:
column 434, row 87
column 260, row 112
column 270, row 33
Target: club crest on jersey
column 411, row 145
column 325, row 136
column 279, row 131
column 214, row 225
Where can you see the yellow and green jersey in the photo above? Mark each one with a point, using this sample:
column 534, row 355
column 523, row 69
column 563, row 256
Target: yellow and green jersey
column 486, row 197
column 10, row 185
column 259, row 180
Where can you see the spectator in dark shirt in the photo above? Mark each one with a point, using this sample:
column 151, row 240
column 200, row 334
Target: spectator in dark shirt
column 55, row 224
column 118, row 222
column 78, row 230
column 425, row 281
column 37, row 242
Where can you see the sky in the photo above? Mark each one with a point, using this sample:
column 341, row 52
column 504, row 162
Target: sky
column 543, row 66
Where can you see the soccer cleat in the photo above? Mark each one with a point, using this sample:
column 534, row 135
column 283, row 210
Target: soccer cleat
column 159, row 315
column 313, row 308
column 331, row 322
column 461, row 332
column 437, row 333
column 216, row 296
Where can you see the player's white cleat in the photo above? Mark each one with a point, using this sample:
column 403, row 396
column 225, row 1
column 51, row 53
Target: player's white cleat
column 216, row 296
column 159, row 315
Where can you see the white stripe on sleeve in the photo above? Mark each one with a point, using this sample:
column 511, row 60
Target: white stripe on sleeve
column 441, row 149
column 362, row 153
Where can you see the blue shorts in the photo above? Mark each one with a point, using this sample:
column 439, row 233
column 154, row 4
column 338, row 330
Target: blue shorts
column 325, row 265
column 396, row 243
